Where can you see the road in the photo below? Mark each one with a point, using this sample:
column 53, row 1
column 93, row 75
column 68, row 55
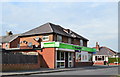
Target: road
column 89, row 71
column 86, row 72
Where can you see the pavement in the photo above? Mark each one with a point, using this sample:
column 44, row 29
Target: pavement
column 47, row 70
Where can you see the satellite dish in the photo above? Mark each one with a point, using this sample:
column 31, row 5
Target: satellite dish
column 37, row 38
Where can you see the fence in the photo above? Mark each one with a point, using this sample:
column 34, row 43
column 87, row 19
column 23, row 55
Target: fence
column 18, row 58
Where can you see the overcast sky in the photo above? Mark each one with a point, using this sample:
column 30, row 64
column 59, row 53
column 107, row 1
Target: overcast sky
column 96, row 21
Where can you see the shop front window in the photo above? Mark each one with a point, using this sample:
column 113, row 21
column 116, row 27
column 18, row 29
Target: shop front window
column 70, row 56
column 81, row 57
column 89, row 57
column 78, row 56
column 62, row 55
column 58, row 55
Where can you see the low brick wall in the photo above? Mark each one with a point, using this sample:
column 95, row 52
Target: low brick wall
column 99, row 63
column 79, row 64
column 18, row 67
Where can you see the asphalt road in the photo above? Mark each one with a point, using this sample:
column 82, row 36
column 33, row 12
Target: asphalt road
column 87, row 72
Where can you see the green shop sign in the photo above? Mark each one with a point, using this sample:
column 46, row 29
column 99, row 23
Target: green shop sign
column 66, row 46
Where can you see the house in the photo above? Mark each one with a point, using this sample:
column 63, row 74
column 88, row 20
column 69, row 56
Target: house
column 102, row 54
column 56, row 46
column 9, row 41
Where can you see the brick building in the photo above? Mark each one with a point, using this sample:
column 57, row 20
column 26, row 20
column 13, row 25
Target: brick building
column 103, row 54
column 60, row 47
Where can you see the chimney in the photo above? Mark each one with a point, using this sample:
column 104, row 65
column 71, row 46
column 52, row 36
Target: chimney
column 9, row 33
column 97, row 46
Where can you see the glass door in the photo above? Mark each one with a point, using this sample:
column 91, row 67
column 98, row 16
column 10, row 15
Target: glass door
column 70, row 59
column 64, row 59
column 60, row 62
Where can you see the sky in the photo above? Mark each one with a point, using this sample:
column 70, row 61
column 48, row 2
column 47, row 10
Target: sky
column 96, row 21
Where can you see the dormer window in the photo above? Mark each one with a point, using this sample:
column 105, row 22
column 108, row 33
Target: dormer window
column 73, row 35
column 65, row 31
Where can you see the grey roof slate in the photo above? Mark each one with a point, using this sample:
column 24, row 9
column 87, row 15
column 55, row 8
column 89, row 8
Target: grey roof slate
column 105, row 51
column 6, row 39
column 50, row 28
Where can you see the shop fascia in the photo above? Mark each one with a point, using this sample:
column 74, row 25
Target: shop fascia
column 66, row 46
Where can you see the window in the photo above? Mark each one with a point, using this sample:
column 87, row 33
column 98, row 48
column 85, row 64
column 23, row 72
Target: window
column 60, row 55
column 99, row 58
column 81, row 42
column 45, row 38
column 69, row 40
column 70, row 56
column 6, row 45
column 89, row 57
column 30, row 44
column 59, row 38
column 78, row 56
column 60, row 59
column 18, row 46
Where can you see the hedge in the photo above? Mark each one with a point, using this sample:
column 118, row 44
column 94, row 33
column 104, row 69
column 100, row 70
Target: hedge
column 112, row 60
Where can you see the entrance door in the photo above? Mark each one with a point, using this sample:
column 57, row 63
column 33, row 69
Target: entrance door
column 66, row 59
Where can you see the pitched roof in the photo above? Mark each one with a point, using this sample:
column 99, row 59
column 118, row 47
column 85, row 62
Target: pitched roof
column 105, row 51
column 6, row 39
column 51, row 28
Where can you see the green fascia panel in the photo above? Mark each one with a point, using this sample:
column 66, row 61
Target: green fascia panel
column 51, row 44
column 67, row 46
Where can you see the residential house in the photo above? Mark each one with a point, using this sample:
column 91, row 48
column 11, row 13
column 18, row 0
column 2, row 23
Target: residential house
column 102, row 54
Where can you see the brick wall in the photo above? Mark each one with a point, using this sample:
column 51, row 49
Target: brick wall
column 4, row 45
column 14, row 43
column 47, row 57
column 32, row 39
column 79, row 64
column 99, row 63
column 64, row 39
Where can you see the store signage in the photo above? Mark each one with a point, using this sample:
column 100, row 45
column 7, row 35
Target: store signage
column 67, row 46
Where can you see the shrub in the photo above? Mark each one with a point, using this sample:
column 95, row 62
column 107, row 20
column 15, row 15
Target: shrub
column 112, row 60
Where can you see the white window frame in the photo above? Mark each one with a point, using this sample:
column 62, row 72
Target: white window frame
column 85, row 58
column 46, row 36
